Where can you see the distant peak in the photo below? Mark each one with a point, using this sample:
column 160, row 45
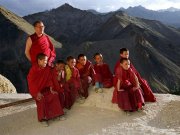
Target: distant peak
column 138, row 7
column 170, row 9
column 66, row 5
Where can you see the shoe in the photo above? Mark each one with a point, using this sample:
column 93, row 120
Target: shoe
column 65, row 111
column 96, row 90
column 100, row 90
column 127, row 113
column 45, row 123
column 140, row 109
column 80, row 100
column 62, row 118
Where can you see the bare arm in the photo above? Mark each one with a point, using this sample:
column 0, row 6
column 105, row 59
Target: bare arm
column 28, row 47
column 136, row 83
column 118, row 85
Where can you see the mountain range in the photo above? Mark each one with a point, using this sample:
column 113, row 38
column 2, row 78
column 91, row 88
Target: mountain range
column 170, row 16
column 154, row 47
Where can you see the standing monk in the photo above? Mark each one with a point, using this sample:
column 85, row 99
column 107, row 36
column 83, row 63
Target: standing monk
column 147, row 92
column 39, row 43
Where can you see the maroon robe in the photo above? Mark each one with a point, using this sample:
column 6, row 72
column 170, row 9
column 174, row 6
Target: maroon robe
column 147, row 92
column 103, row 75
column 87, row 74
column 73, row 86
column 128, row 99
column 66, row 96
column 40, row 80
column 41, row 45
column 59, row 80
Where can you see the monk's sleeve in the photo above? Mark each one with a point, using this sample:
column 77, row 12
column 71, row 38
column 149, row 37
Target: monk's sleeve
column 77, row 75
column 53, row 52
column 92, row 71
column 133, row 78
column 33, row 90
column 53, row 81
column 118, row 73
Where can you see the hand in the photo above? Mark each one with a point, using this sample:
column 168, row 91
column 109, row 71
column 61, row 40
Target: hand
column 135, row 88
column 39, row 96
column 121, row 90
column 50, row 64
column 53, row 92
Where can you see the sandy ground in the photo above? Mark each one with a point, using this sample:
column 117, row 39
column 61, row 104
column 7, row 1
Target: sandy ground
column 97, row 116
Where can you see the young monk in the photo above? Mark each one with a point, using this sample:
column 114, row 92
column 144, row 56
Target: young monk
column 59, row 75
column 103, row 75
column 41, row 87
column 129, row 96
column 147, row 92
column 87, row 73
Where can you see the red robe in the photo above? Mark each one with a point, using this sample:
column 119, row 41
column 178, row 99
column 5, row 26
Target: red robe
column 41, row 45
column 73, row 86
column 147, row 92
column 87, row 74
column 103, row 75
column 59, row 80
column 128, row 99
column 40, row 80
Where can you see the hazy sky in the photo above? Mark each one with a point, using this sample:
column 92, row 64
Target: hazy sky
column 24, row 7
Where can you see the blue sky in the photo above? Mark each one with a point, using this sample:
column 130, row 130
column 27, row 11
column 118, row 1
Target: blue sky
column 24, row 7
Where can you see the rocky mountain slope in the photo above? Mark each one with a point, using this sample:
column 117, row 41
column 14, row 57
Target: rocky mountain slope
column 154, row 47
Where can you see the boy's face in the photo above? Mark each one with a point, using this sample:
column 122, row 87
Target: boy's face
column 82, row 60
column 71, row 63
column 98, row 59
column 125, row 54
column 42, row 63
column 126, row 64
column 60, row 66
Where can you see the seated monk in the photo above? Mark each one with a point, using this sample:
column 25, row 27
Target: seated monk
column 73, row 82
column 87, row 73
column 41, row 87
column 103, row 76
column 147, row 92
column 59, row 74
column 129, row 95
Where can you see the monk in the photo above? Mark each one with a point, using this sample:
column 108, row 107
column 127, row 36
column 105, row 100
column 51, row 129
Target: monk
column 73, row 82
column 41, row 87
column 39, row 43
column 60, row 76
column 147, row 92
column 129, row 96
column 103, row 76
column 87, row 73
